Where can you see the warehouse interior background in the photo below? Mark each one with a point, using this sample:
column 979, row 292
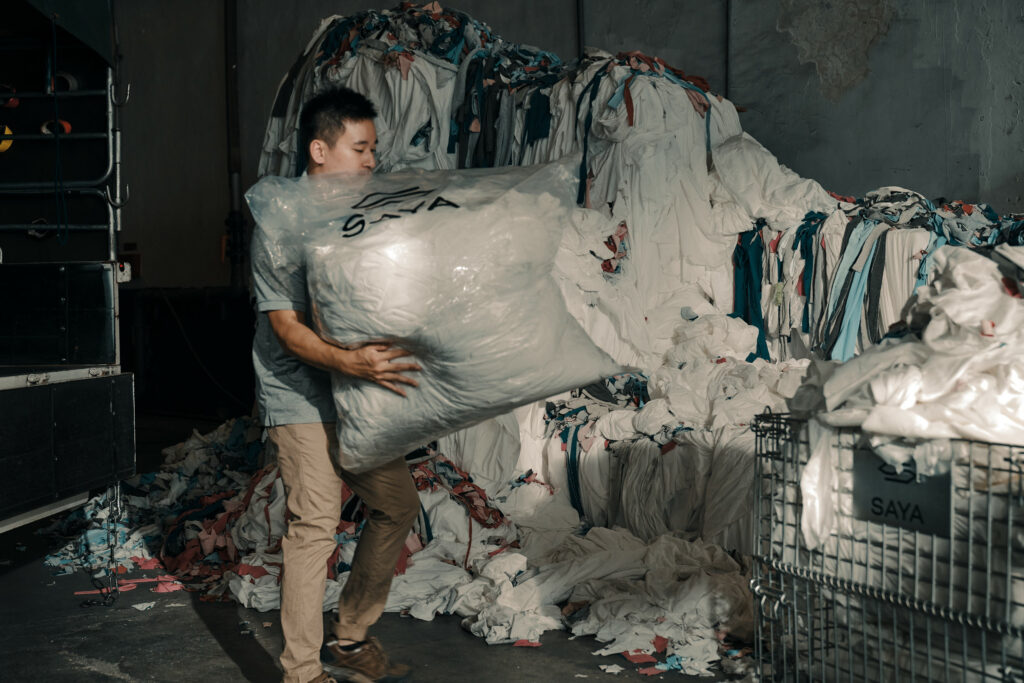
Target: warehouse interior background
column 855, row 94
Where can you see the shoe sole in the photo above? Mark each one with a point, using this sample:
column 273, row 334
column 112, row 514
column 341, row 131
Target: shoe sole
column 348, row 675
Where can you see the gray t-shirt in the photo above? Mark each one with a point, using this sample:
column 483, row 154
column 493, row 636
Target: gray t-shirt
column 288, row 391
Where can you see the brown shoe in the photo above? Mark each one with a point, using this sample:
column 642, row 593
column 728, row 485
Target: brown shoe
column 368, row 659
column 323, row 678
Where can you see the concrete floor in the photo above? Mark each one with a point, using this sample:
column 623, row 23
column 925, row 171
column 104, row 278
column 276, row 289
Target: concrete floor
column 46, row 635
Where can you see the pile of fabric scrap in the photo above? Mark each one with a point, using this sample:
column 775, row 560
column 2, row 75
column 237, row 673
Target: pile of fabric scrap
column 186, row 498
column 653, row 453
column 955, row 372
column 217, row 530
column 841, row 278
column 666, row 173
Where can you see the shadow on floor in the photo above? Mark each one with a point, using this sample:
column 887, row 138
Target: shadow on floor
column 235, row 634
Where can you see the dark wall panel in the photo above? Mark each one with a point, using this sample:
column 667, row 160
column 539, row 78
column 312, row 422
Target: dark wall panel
column 62, row 439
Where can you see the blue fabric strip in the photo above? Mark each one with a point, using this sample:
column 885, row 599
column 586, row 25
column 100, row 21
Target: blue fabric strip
column 805, row 237
column 426, row 525
column 846, row 345
column 859, row 235
column 748, row 274
column 581, row 193
column 934, row 242
column 572, row 467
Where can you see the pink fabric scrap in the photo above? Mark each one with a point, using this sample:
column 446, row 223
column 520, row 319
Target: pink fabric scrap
column 148, row 579
column 639, row 657
column 147, row 563
column 168, row 587
column 120, row 588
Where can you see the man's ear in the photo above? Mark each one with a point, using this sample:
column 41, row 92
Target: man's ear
column 317, row 151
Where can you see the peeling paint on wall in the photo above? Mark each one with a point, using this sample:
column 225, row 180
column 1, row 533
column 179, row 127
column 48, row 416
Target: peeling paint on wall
column 835, row 35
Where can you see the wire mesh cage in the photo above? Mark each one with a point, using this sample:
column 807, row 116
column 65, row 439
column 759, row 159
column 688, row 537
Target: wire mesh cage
column 947, row 549
column 811, row 630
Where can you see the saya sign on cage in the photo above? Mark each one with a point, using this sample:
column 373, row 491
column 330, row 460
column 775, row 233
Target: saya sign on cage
column 903, row 499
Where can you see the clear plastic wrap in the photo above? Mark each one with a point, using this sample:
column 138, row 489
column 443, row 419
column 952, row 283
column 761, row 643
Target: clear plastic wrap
column 817, row 484
column 455, row 267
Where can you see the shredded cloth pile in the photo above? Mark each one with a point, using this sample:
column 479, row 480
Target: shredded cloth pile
column 839, row 279
column 955, row 371
column 217, row 530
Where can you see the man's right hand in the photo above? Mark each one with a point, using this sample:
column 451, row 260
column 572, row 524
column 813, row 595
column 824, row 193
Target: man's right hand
column 375, row 362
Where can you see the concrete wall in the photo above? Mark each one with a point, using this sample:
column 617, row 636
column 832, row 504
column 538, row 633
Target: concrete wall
column 687, row 34
column 926, row 94
column 854, row 93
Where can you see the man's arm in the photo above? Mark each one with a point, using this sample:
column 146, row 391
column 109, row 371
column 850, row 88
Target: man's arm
column 372, row 362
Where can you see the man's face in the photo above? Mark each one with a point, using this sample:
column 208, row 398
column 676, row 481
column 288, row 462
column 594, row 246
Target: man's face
column 353, row 151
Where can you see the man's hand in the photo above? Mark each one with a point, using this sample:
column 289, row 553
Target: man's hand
column 372, row 362
column 375, row 362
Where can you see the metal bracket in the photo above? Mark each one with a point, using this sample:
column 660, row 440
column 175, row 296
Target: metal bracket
column 771, row 600
column 118, row 102
column 118, row 204
column 123, row 272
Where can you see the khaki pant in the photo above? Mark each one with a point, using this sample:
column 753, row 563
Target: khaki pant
column 313, row 486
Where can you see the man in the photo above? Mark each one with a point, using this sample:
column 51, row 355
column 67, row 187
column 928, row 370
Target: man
column 294, row 397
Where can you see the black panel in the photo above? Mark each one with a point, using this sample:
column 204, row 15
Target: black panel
column 83, row 433
column 26, row 453
column 26, row 420
column 18, row 247
column 57, row 314
column 123, row 404
column 90, row 313
column 27, row 481
column 62, row 439
column 88, row 21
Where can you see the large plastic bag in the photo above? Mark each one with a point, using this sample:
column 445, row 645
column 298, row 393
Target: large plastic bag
column 454, row 266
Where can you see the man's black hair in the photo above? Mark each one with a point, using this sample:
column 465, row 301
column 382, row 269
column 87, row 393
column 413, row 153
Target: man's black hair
column 323, row 117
